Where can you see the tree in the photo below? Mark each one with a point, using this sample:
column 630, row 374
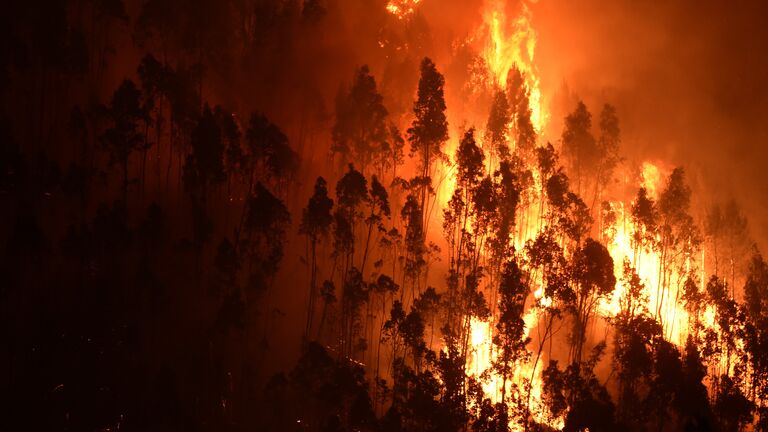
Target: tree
column 608, row 150
column 634, row 339
column 510, row 337
column 429, row 129
column 125, row 111
column 269, row 151
column 154, row 83
column 731, row 407
column 185, row 106
column 691, row 401
column 351, row 194
column 360, row 132
column 519, row 104
column 385, row 287
column 577, row 394
column 679, row 238
column 507, row 200
column 593, row 272
column 579, row 145
column 728, row 232
column 355, row 293
column 235, row 162
column 756, row 305
column 724, row 347
column 567, row 212
column 263, row 237
column 497, row 129
column 316, row 221
column 411, row 214
column 379, row 209
column 396, row 149
column 329, row 392
column 644, row 221
column 205, row 166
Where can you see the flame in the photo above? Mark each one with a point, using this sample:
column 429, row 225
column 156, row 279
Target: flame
column 483, row 356
column 621, row 247
column 512, row 43
column 651, row 179
column 647, row 265
column 402, row 8
column 506, row 42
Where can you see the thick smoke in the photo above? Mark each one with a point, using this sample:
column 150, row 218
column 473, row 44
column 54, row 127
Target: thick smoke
column 688, row 79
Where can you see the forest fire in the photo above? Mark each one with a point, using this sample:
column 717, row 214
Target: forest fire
column 401, row 215
column 402, row 8
column 510, row 42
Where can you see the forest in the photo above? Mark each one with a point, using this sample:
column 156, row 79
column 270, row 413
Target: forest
column 368, row 215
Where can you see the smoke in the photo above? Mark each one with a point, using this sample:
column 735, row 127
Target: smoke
column 687, row 79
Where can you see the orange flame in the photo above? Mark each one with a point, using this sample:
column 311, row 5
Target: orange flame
column 402, row 8
column 512, row 43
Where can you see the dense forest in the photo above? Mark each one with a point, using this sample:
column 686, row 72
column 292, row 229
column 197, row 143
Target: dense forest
column 285, row 215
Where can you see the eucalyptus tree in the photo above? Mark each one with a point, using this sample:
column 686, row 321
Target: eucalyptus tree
column 360, row 132
column 498, row 128
column 460, row 228
column 429, row 130
column 524, row 133
column 679, row 239
column 728, row 233
column 263, row 237
column 510, row 337
column 756, row 308
column 316, row 221
column 378, row 210
column 644, row 217
column 154, row 83
column 595, row 280
column 608, row 143
column 123, row 137
column 566, row 210
column 272, row 159
column 205, row 165
column 580, row 147
column 351, row 195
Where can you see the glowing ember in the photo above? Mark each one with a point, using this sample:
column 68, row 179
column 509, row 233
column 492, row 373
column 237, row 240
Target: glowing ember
column 402, row 8
column 511, row 42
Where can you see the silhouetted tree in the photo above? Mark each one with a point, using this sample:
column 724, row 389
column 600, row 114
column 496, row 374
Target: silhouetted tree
column 510, row 337
column 644, row 221
column 579, row 145
column 205, row 165
column 728, row 232
column 269, row 151
column 262, row 237
column 519, row 94
column 379, row 209
column 497, row 128
column 608, row 150
column 124, row 112
column 577, row 394
column 316, row 220
column 360, row 132
column 593, row 273
column 679, row 238
column 756, row 305
column 429, row 129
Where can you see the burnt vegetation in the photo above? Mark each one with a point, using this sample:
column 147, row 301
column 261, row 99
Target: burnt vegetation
column 180, row 256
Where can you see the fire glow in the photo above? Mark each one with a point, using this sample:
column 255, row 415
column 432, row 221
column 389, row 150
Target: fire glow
column 508, row 42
